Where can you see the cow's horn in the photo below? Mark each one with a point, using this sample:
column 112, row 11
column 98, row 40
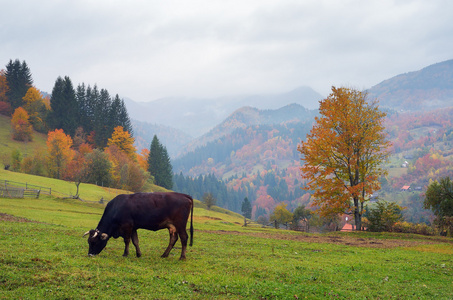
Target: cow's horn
column 95, row 234
column 104, row 236
column 88, row 232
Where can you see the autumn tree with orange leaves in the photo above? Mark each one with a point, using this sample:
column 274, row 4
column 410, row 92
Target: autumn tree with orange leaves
column 344, row 152
column 59, row 152
column 20, row 125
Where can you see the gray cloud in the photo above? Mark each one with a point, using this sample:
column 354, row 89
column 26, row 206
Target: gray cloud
column 150, row 49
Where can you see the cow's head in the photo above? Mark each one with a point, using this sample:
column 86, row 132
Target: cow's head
column 96, row 241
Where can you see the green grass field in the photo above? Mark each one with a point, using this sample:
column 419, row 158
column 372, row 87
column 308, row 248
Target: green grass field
column 7, row 144
column 47, row 259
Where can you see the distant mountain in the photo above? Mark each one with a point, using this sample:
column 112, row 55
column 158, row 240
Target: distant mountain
column 250, row 116
column 428, row 88
column 173, row 139
column 197, row 116
column 283, row 128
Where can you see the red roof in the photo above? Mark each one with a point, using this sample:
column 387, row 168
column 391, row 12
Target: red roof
column 347, row 227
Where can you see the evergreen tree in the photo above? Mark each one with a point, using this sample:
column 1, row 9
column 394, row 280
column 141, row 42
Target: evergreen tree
column 209, row 200
column 119, row 115
column 160, row 164
column 19, row 80
column 246, row 208
column 85, row 111
column 91, row 98
column 64, row 114
column 102, row 126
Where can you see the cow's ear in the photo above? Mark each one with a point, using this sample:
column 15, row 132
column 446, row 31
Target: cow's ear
column 104, row 236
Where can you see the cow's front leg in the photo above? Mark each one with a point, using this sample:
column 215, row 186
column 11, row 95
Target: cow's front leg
column 135, row 242
column 173, row 239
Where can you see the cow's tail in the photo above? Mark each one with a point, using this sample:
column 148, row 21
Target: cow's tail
column 191, row 224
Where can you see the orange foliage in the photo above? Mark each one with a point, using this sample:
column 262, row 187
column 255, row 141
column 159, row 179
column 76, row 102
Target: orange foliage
column 21, row 127
column 59, row 152
column 343, row 152
column 142, row 159
column 126, row 173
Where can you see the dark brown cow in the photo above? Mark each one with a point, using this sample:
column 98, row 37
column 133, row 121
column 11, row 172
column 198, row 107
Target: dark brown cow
column 153, row 211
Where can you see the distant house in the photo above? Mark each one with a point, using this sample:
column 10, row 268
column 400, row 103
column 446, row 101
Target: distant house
column 348, row 227
column 406, row 188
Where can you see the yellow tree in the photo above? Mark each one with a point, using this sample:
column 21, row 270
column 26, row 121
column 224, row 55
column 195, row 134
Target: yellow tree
column 21, row 127
column 124, row 141
column 59, row 152
column 36, row 108
column 344, row 152
column 281, row 215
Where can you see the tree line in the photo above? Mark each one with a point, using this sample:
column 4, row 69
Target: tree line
column 67, row 108
column 89, row 134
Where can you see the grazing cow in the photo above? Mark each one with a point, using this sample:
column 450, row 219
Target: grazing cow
column 153, row 211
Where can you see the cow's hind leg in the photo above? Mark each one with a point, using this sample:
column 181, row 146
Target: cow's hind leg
column 135, row 242
column 184, row 237
column 173, row 239
column 127, row 240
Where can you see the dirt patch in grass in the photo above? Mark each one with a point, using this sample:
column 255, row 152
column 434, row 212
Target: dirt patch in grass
column 11, row 218
column 339, row 240
column 204, row 218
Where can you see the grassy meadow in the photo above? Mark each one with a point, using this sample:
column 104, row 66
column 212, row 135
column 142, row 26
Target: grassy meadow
column 43, row 255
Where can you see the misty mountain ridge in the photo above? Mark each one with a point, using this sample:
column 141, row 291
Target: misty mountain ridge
column 196, row 116
column 173, row 139
column 208, row 119
column 248, row 116
column 428, row 88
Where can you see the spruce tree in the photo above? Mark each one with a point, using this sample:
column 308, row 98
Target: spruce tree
column 85, row 119
column 119, row 115
column 64, row 114
column 102, row 126
column 159, row 164
column 19, row 80
column 246, row 208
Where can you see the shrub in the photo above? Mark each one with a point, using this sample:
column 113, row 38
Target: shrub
column 383, row 216
column 406, row 227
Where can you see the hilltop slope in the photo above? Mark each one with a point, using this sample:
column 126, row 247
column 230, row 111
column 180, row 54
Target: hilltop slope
column 428, row 88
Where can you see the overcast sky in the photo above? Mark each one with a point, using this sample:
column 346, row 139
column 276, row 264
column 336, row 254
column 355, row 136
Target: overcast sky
column 149, row 49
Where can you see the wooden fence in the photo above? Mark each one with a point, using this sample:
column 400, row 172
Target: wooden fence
column 12, row 189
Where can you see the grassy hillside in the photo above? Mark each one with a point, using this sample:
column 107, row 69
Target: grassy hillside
column 7, row 144
column 43, row 255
